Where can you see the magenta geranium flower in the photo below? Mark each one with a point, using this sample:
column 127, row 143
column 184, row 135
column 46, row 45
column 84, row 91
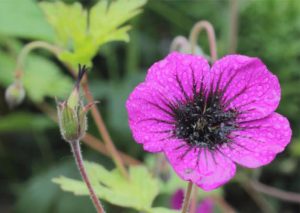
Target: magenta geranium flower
column 207, row 120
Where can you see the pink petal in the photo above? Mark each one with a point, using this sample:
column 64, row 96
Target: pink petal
column 261, row 140
column 146, row 108
column 252, row 88
column 209, row 170
column 177, row 72
column 167, row 81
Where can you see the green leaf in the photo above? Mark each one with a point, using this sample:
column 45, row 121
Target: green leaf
column 138, row 193
column 68, row 21
column 24, row 19
column 42, row 77
column 163, row 210
column 105, row 20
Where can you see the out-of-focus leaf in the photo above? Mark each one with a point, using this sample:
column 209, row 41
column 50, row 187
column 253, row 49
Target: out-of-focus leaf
column 42, row 77
column 70, row 25
column 138, row 193
column 105, row 20
column 21, row 121
column 68, row 21
column 23, row 19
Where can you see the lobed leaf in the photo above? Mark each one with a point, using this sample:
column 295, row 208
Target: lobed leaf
column 138, row 192
column 82, row 34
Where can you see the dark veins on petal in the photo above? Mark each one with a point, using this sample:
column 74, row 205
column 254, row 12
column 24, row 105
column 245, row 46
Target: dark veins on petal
column 201, row 120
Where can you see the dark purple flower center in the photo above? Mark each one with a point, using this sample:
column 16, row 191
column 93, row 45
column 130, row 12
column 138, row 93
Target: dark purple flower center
column 201, row 121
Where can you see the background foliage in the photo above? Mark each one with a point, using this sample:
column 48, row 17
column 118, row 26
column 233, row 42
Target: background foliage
column 31, row 149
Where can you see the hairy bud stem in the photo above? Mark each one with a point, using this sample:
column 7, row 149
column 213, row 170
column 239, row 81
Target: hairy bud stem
column 79, row 161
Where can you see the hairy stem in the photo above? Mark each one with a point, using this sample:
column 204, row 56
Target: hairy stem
column 198, row 27
column 79, row 161
column 103, row 130
column 187, row 198
column 27, row 49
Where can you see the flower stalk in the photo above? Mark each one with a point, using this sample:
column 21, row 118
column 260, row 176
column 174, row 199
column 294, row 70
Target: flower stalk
column 75, row 146
column 15, row 93
column 27, row 49
column 198, row 27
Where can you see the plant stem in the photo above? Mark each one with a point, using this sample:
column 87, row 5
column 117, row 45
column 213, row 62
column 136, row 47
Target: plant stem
column 27, row 49
column 198, row 27
column 79, row 161
column 102, row 129
column 187, row 198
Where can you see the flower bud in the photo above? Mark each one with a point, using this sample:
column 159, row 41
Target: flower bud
column 72, row 114
column 72, row 121
column 15, row 94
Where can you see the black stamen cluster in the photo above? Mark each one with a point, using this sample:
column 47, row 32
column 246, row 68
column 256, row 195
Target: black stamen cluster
column 201, row 121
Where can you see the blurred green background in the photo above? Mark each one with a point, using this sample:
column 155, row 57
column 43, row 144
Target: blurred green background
column 31, row 149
